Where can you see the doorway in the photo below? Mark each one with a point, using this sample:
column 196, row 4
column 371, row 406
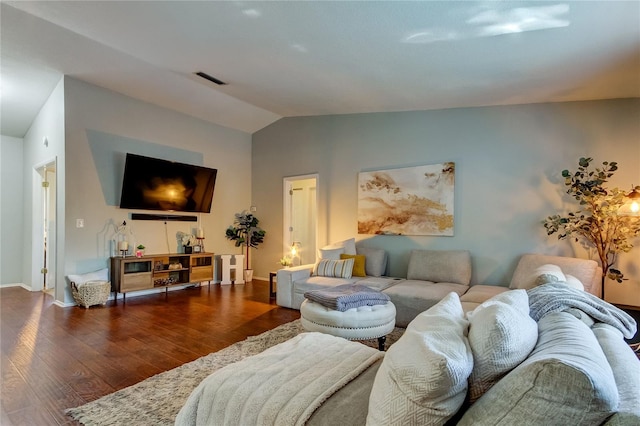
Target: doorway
column 44, row 230
column 300, row 218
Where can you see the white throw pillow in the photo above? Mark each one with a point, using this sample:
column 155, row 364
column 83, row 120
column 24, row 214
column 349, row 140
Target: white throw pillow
column 80, row 279
column 423, row 376
column 542, row 275
column 330, row 253
column 501, row 336
column 348, row 245
column 574, row 282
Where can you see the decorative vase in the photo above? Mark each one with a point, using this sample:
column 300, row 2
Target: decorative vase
column 248, row 275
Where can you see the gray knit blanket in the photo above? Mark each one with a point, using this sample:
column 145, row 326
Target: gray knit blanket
column 557, row 297
column 347, row 296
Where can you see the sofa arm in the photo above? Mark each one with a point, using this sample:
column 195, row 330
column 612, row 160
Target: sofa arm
column 285, row 279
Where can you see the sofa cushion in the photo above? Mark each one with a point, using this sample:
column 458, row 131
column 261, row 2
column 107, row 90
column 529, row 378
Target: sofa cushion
column 334, row 268
column 574, row 282
column 566, row 380
column 349, row 245
column 358, row 264
column 542, row 274
column 375, row 263
column 423, row 376
column 586, row 270
column 413, row 297
column 452, row 266
column 501, row 336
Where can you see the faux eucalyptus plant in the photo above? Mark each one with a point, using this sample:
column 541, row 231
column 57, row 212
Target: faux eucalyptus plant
column 598, row 223
column 245, row 232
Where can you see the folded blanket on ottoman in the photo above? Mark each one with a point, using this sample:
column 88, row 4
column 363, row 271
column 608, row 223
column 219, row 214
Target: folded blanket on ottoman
column 281, row 386
column 347, row 296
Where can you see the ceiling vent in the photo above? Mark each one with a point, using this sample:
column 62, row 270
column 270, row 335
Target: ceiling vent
column 210, row 78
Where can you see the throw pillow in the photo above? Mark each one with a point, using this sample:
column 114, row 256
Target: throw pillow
column 330, row 253
column 450, row 266
column 80, row 279
column 543, row 274
column 376, row 260
column 501, row 336
column 348, row 245
column 358, row 264
column 574, row 282
column 334, row 268
column 423, row 376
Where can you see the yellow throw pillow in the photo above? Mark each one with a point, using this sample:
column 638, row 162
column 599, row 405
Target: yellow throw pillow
column 358, row 263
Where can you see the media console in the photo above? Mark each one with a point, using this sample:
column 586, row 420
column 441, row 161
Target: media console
column 159, row 270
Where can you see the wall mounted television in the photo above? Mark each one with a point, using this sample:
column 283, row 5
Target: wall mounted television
column 155, row 184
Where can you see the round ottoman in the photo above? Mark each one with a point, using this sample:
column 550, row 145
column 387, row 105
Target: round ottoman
column 367, row 322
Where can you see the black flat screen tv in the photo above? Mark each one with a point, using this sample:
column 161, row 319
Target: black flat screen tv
column 155, row 184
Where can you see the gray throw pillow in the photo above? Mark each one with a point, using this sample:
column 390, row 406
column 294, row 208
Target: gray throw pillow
column 375, row 263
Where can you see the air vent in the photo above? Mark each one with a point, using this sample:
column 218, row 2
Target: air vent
column 210, row 78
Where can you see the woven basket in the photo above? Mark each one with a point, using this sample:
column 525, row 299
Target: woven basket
column 91, row 293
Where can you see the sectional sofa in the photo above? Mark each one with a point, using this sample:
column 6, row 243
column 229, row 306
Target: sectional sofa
column 431, row 275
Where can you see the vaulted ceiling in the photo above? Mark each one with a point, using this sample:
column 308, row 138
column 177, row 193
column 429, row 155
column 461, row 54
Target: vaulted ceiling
column 297, row 58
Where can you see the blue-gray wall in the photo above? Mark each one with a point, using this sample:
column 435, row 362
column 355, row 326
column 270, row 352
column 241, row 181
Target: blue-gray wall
column 508, row 163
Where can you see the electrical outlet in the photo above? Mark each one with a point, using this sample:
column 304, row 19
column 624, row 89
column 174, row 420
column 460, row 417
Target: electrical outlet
column 79, row 223
column 253, row 209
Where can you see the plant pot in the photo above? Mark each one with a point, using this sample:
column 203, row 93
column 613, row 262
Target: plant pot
column 248, row 275
column 188, row 249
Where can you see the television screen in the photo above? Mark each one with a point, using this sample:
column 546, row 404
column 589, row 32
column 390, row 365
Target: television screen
column 154, row 184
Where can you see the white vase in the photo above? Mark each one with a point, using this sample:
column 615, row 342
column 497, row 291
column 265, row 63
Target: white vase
column 248, row 275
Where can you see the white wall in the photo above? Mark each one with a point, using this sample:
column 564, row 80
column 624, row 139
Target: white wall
column 508, row 164
column 11, row 206
column 101, row 126
column 50, row 124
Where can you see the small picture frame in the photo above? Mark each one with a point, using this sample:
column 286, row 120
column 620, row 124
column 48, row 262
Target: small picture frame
column 196, row 249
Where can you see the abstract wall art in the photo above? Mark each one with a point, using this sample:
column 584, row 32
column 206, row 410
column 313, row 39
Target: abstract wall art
column 407, row 201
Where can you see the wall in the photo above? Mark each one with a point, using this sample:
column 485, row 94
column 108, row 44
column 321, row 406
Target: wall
column 508, row 164
column 48, row 124
column 101, row 126
column 11, row 200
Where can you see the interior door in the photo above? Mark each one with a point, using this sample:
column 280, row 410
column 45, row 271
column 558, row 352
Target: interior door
column 300, row 215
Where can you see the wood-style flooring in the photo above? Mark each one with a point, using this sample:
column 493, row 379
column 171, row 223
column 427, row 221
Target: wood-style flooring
column 55, row 358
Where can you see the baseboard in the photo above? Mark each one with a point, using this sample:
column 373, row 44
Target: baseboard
column 16, row 285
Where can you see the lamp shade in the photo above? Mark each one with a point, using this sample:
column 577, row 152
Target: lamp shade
column 632, row 206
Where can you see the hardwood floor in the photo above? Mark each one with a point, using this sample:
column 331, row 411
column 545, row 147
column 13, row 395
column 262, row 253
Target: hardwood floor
column 55, row 358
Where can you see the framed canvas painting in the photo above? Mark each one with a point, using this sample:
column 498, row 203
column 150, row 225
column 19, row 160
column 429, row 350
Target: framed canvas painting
column 407, row 201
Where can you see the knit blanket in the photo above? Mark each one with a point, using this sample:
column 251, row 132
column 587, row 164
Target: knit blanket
column 557, row 297
column 347, row 296
column 281, row 386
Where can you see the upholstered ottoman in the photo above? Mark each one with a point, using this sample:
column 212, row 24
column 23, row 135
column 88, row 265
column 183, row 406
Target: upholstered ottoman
column 367, row 322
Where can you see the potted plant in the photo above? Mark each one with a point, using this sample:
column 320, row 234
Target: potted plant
column 286, row 261
column 599, row 222
column 140, row 250
column 188, row 241
column 247, row 234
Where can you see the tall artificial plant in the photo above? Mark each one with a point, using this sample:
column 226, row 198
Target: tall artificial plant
column 245, row 232
column 599, row 222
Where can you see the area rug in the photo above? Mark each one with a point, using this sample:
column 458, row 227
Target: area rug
column 157, row 400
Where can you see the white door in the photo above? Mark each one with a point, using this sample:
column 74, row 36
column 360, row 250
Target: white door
column 300, row 218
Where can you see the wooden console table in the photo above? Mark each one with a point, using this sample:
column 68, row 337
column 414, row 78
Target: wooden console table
column 159, row 270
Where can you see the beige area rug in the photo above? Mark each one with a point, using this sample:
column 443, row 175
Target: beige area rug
column 157, row 400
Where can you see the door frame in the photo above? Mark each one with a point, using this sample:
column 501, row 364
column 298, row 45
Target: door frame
column 286, row 209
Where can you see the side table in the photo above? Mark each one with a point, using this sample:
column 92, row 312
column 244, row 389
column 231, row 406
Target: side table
column 272, row 294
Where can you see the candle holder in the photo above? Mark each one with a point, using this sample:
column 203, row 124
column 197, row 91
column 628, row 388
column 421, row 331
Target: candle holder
column 123, row 253
column 201, row 243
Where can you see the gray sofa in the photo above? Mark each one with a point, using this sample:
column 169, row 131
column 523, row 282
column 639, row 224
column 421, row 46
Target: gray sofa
column 431, row 274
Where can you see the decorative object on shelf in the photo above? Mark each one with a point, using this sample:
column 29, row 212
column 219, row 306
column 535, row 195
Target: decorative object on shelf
column 121, row 239
column 600, row 223
column 123, row 246
column 140, row 250
column 247, row 234
column 199, row 247
column 188, row 241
